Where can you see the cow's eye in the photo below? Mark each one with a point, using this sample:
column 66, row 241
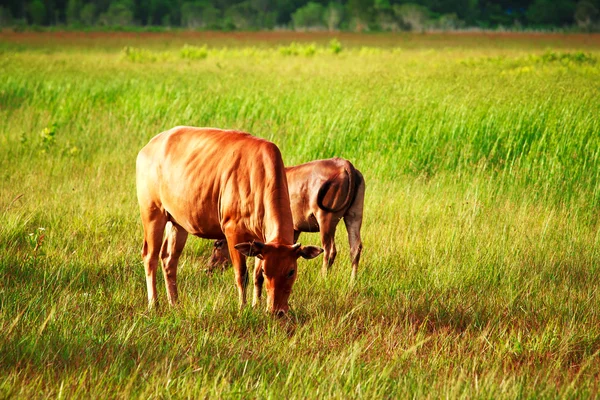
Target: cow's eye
column 291, row 273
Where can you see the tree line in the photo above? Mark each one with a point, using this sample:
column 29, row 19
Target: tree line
column 356, row 15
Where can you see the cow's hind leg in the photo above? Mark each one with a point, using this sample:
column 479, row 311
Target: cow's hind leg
column 172, row 247
column 353, row 221
column 353, row 228
column 154, row 222
column 327, row 225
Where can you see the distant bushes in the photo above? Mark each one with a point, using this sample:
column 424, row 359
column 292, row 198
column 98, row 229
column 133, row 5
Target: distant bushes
column 190, row 52
column 529, row 62
column 194, row 52
column 139, row 55
column 187, row 52
column 567, row 58
column 334, row 47
column 296, row 49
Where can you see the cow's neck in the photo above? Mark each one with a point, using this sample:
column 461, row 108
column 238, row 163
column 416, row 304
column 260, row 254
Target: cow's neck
column 277, row 218
column 277, row 223
column 278, row 226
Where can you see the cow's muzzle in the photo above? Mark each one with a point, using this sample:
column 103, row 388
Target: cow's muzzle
column 278, row 311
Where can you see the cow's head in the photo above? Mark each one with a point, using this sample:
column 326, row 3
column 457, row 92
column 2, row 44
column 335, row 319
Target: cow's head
column 279, row 268
column 220, row 255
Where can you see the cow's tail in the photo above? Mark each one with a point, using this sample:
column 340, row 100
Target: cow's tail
column 353, row 183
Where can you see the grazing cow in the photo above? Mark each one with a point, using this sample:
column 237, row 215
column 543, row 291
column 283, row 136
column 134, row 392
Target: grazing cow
column 218, row 184
column 321, row 193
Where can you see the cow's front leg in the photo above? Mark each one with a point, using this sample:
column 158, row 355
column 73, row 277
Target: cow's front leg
column 258, row 282
column 172, row 247
column 239, row 268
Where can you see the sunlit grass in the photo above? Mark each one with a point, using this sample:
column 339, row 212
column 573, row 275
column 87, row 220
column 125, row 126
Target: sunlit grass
column 480, row 269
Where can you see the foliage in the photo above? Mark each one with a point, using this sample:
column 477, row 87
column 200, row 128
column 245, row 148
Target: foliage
column 241, row 15
column 194, row 52
column 568, row 58
column 587, row 15
column 333, row 15
column 37, row 12
column 413, row 16
column 309, row 16
column 551, row 12
column 450, row 22
column 36, row 242
column 360, row 13
column 48, row 137
column 335, row 46
column 386, row 18
column 118, row 14
column 296, row 49
column 73, row 11
column 199, row 15
column 139, row 55
column 88, row 14
column 6, row 18
column 159, row 12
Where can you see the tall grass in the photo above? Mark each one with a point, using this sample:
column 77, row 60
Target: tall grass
column 479, row 276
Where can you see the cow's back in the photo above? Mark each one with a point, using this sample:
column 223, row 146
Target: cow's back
column 204, row 178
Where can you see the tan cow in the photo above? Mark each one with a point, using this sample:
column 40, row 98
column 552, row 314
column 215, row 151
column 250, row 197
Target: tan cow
column 218, row 184
column 321, row 193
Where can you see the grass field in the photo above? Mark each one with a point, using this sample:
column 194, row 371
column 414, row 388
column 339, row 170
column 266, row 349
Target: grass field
column 479, row 277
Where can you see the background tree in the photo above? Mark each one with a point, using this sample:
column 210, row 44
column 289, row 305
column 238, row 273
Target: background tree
column 199, row 14
column 266, row 15
column 242, row 15
column 413, row 16
column 37, row 12
column 88, row 14
column 118, row 14
column 6, row 18
column 309, row 16
column 385, row 15
column 333, row 15
column 551, row 12
column 469, row 11
column 586, row 14
column 360, row 12
column 159, row 12
column 73, row 11
column 450, row 22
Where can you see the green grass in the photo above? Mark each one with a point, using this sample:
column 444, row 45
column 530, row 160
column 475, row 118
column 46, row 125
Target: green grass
column 479, row 277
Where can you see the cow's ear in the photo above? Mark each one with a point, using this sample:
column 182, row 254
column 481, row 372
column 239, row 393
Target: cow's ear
column 308, row 252
column 254, row 249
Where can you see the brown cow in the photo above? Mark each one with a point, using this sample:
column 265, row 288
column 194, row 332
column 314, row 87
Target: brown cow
column 321, row 193
column 218, row 184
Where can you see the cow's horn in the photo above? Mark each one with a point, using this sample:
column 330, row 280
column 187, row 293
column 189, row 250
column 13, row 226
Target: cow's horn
column 296, row 246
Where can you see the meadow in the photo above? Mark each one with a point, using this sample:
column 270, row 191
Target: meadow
column 480, row 270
